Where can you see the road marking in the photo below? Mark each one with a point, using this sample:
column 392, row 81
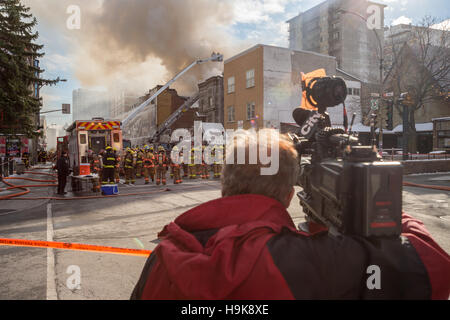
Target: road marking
column 51, row 276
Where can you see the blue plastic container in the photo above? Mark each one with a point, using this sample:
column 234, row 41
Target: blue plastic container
column 110, row 189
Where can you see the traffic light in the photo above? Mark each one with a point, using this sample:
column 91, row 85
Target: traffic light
column 406, row 99
column 65, row 108
column 389, row 120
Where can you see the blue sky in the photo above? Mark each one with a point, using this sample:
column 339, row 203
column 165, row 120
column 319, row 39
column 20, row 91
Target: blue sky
column 251, row 22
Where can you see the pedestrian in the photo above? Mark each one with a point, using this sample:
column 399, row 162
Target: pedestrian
column 63, row 168
column 245, row 246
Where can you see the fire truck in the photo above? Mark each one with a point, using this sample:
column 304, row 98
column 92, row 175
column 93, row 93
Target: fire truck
column 95, row 135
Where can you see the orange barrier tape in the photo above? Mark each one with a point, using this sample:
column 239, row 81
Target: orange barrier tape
column 73, row 246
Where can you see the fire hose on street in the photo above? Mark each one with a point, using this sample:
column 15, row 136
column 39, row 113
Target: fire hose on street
column 17, row 196
column 51, row 183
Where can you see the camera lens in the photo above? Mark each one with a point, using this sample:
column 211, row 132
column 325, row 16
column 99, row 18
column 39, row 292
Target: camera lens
column 327, row 92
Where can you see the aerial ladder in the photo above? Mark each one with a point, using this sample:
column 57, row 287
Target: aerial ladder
column 177, row 114
column 174, row 117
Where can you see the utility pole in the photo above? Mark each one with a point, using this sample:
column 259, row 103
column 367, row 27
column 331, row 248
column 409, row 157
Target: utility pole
column 405, row 140
column 405, row 102
column 380, row 115
column 380, row 106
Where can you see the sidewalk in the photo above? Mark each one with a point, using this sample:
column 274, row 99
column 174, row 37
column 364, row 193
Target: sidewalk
column 8, row 206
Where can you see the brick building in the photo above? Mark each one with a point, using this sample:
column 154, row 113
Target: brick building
column 146, row 123
column 210, row 102
column 262, row 85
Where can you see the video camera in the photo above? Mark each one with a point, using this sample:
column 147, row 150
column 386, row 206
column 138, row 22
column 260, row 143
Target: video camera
column 346, row 186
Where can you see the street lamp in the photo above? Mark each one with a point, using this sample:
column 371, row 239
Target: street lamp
column 380, row 119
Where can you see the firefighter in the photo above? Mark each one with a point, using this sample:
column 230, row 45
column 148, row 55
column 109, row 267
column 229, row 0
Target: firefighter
column 152, row 168
column 139, row 162
column 90, row 154
column 117, row 167
column 185, row 166
column 129, row 164
column 198, row 160
column 148, row 165
column 204, row 166
column 26, row 160
column 96, row 163
column 217, row 166
column 176, row 165
column 109, row 162
column 101, row 157
column 161, row 166
column 191, row 165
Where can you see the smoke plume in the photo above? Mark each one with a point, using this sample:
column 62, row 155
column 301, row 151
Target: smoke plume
column 141, row 43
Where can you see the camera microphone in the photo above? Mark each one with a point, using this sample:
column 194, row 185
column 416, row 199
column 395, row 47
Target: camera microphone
column 300, row 115
column 308, row 121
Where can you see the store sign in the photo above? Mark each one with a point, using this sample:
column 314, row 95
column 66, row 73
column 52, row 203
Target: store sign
column 13, row 148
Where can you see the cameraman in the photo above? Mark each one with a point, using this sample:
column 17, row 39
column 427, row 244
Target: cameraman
column 245, row 246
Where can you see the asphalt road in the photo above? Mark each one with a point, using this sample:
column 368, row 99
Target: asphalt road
column 132, row 222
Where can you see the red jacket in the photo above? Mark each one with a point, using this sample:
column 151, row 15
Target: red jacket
column 247, row 247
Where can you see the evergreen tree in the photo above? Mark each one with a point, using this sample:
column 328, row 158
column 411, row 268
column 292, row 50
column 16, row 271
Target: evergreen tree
column 18, row 75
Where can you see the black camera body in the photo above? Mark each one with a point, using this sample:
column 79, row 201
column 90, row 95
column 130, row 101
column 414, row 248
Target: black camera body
column 346, row 186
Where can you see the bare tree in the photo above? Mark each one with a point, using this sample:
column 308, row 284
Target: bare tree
column 420, row 65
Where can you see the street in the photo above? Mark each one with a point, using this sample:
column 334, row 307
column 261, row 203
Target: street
column 133, row 222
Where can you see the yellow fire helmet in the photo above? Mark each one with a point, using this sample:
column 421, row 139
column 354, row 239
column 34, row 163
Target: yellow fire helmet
column 108, row 148
column 161, row 148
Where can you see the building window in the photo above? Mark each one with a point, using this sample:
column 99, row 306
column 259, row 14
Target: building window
column 210, row 102
column 356, row 91
column 230, row 85
column 336, row 36
column 250, row 77
column 251, row 111
column 36, row 90
column 349, row 91
column 231, row 114
column 82, row 139
column 210, row 116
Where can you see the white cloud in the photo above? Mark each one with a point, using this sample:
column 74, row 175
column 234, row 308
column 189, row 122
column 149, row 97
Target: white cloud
column 56, row 62
column 258, row 11
column 444, row 25
column 47, row 98
column 401, row 20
